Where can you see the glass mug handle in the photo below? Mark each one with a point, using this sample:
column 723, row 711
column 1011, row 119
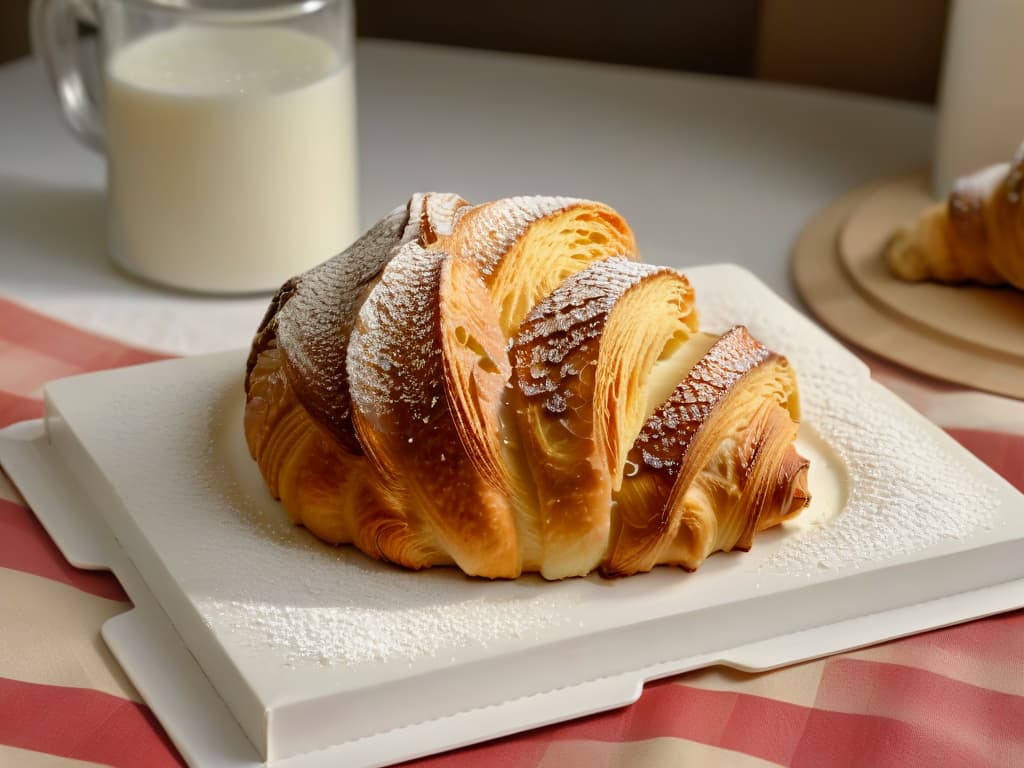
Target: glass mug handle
column 55, row 37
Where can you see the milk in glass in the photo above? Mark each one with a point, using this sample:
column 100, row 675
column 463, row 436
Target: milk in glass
column 231, row 156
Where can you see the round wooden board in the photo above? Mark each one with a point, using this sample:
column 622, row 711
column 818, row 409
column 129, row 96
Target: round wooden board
column 867, row 319
column 991, row 319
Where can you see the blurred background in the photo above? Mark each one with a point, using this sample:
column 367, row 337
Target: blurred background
column 793, row 41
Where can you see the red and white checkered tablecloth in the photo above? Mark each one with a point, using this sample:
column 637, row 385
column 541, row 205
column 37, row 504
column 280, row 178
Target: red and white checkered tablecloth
column 953, row 697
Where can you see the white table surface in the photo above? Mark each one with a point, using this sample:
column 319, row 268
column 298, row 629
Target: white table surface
column 706, row 170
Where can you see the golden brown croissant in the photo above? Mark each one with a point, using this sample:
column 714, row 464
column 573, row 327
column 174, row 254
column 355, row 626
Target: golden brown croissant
column 977, row 235
column 504, row 388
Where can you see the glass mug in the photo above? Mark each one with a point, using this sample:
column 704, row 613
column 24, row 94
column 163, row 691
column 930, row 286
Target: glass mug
column 228, row 128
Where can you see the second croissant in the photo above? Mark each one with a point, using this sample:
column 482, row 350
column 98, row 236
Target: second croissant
column 975, row 235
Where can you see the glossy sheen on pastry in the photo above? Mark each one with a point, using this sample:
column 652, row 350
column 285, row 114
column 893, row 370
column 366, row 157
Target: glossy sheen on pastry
column 976, row 235
column 505, row 388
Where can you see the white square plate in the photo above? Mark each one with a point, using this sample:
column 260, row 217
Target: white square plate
column 324, row 657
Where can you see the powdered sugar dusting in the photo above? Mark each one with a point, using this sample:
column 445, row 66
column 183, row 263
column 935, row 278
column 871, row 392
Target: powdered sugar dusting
column 665, row 438
column 384, row 615
column 431, row 216
column 489, row 230
column 545, row 349
column 440, row 210
column 315, row 317
column 911, row 490
column 981, row 184
column 394, row 352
